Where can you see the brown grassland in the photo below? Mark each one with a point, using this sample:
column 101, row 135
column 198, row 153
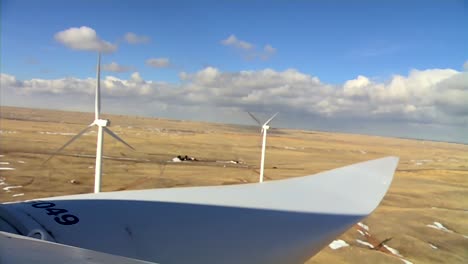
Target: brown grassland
column 430, row 185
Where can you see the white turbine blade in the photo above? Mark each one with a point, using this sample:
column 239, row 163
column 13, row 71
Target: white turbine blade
column 69, row 142
column 108, row 131
column 97, row 110
column 271, row 118
column 254, row 118
column 22, row 249
column 215, row 217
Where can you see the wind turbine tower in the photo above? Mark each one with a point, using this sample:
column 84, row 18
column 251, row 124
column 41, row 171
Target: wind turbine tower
column 102, row 125
column 264, row 130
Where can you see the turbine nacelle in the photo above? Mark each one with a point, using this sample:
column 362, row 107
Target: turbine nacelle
column 101, row 122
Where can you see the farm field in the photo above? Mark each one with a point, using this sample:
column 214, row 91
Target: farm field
column 422, row 219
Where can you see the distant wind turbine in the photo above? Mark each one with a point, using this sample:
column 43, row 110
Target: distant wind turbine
column 265, row 127
column 102, row 127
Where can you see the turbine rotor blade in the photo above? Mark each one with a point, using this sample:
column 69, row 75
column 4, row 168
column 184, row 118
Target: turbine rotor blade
column 271, row 118
column 254, row 118
column 68, row 143
column 112, row 134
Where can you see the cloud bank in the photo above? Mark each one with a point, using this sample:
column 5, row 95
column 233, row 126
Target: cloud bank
column 424, row 97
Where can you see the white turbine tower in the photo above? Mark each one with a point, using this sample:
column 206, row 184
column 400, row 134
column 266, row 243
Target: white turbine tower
column 265, row 127
column 102, row 127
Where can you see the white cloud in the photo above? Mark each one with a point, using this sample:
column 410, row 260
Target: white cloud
column 356, row 87
column 57, row 86
column 9, row 81
column 84, row 38
column 136, row 77
column 205, row 76
column 133, row 38
column 465, row 66
column 233, row 41
column 115, row 67
column 360, row 81
column 248, row 50
column 158, row 62
column 436, row 96
column 268, row 51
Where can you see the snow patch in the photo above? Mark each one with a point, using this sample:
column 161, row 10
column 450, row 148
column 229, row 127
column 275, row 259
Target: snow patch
column 291, row 148
column 4, row 162
column 362, row 152
column 360, row 232
column 176, row 159
column 57, row 133
column 229, row 161
column 363, row 226
column 336, row 244
column 394, row 251
column 7, row 189
column 7, row 132
column 439, row 226
column 18, row 194
column 73, row 181
column 6, row 168
column 364, row 243
column 421, row 162
column 433, row 246
column 21, row 161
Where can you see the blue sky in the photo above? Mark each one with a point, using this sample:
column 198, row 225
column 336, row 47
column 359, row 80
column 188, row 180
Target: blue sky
column 334, row 41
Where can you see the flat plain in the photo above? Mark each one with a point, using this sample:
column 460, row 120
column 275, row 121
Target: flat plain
column 422, row 219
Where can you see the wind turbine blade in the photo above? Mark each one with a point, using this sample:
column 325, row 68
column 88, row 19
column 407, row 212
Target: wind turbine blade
column 254, row 118
column 271, row 118
column 68, row 143
column 112, row 134
column 97, row 110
